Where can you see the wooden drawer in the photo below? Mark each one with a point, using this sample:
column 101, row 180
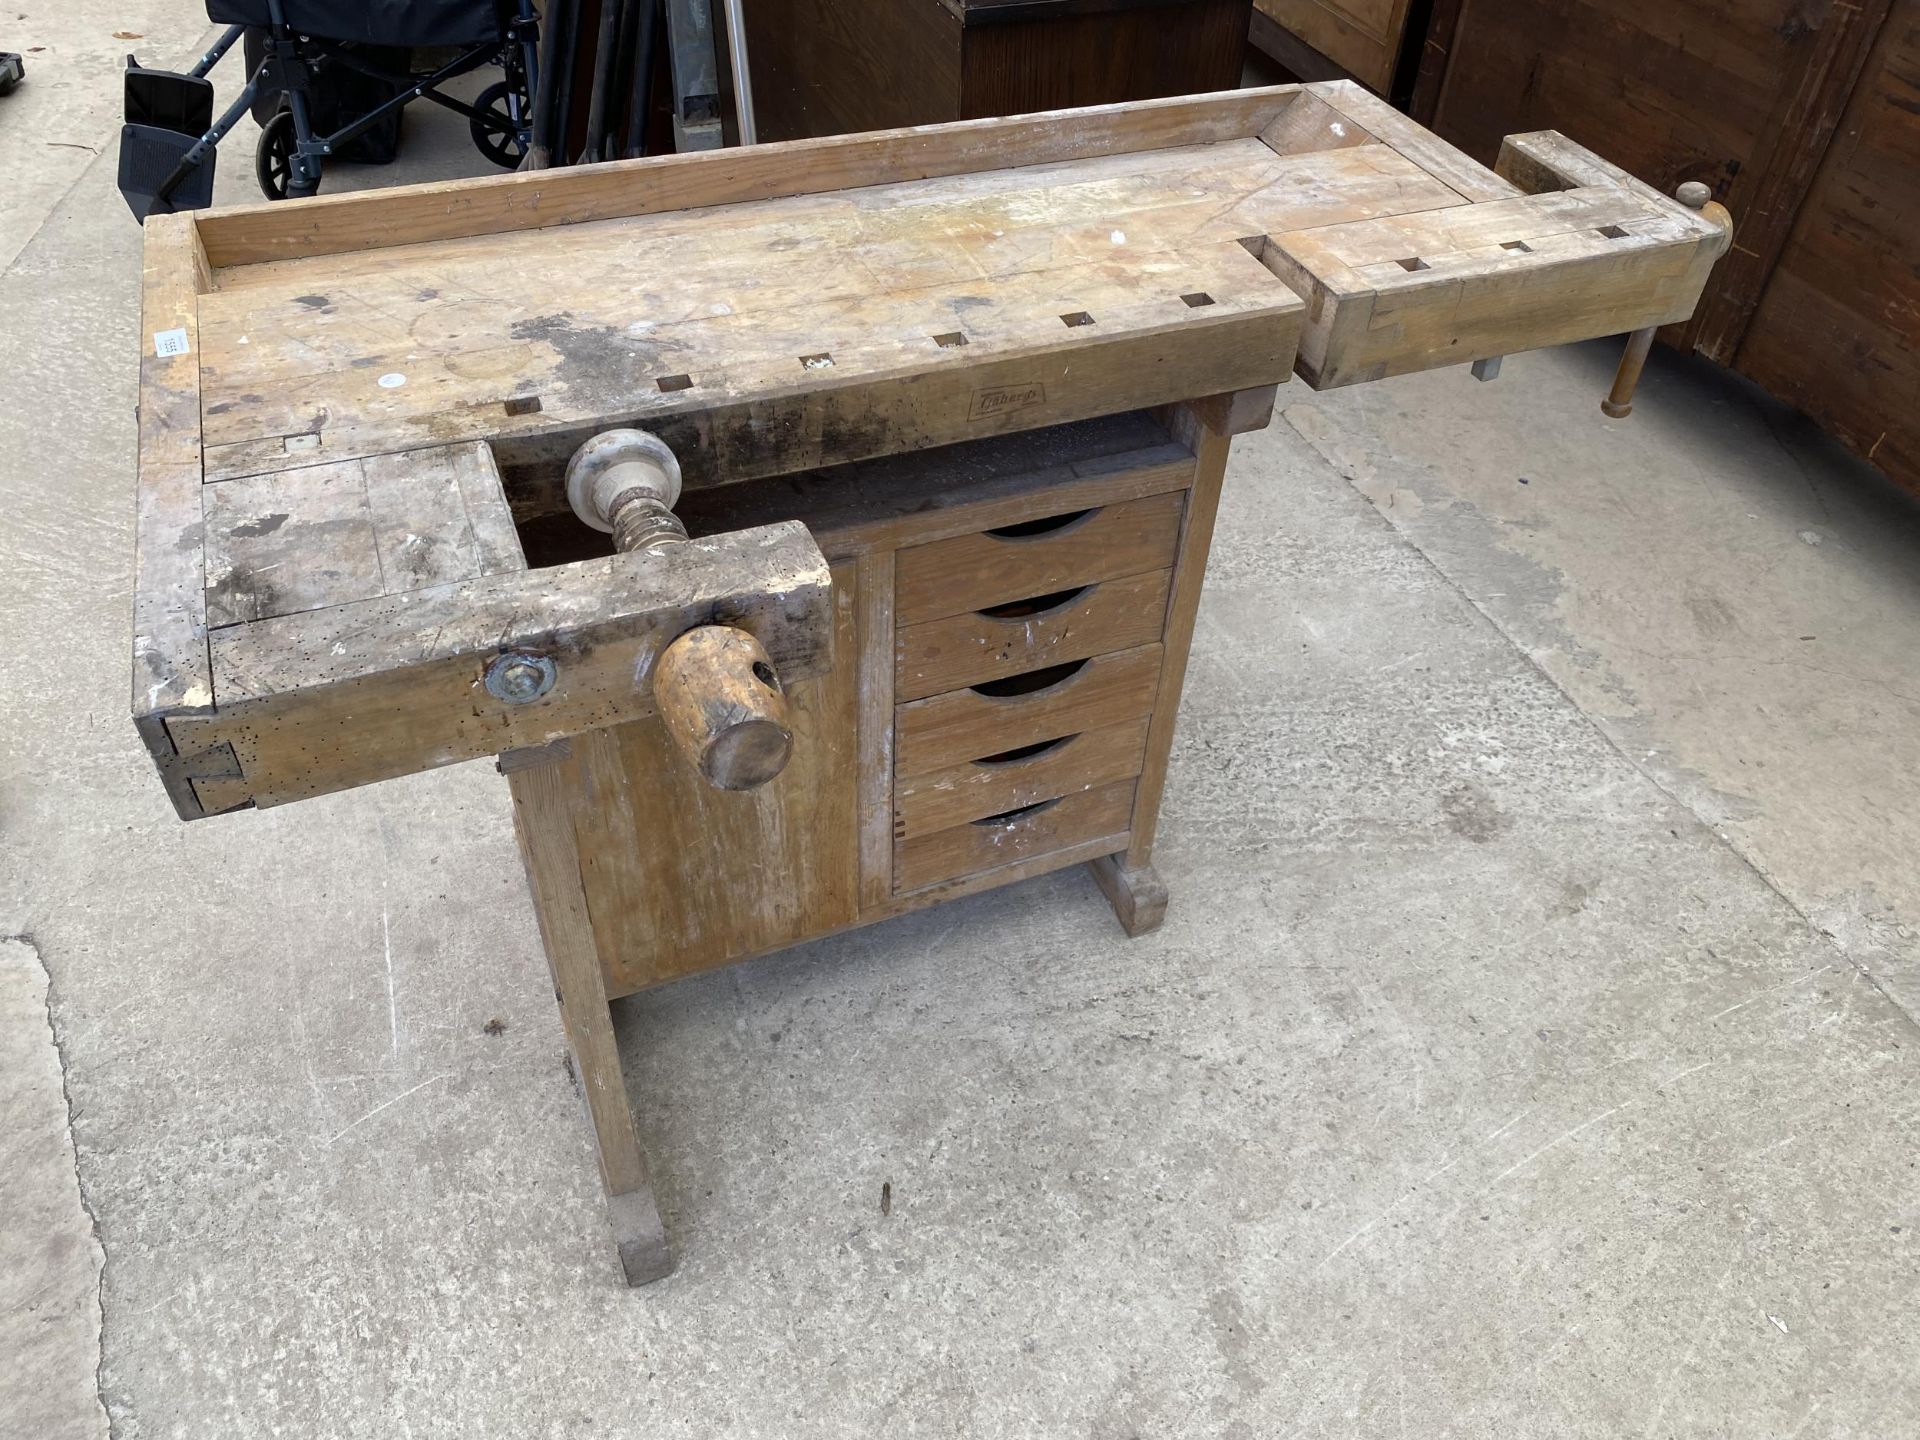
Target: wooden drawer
column 993, row 784
column 997, row 840
column 962, row 725
column 965, row 649
column 1036, row 557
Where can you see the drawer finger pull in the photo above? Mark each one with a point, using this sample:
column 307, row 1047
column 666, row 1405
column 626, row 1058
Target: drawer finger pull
column 1030, row 683
column 1021, row 753
column 1037, row 606
column 1047, row 525
column 1015, row 816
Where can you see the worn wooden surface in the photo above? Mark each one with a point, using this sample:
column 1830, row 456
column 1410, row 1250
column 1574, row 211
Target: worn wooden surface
column 992, row 784
column 997, row 840
column 1138, row 895
column 722, row 703
column 300, row 540
column 1409, row 292
column 920, row 309
column 923, row 348
column 1190, row 573
column 544, row 824
column 1035, row 557
column 172, row 670
column 962, row 725
column 1087, row 619
column 680, row 875
column 354, row 693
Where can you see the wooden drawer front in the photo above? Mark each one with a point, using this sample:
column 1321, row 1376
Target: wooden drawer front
column 1001, row 840
column 972, row 572
column 991, row 785
column 965, row 649
column 962, row 725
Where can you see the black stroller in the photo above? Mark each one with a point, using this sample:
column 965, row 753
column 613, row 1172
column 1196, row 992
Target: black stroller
column 312, row 65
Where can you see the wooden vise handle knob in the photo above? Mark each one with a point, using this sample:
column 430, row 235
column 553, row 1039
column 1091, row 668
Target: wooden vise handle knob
column 721, row 702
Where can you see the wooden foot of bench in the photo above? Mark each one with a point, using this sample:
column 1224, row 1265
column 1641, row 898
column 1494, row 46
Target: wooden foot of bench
column 639, row 1237
column 544, row 823
column 1138, row 895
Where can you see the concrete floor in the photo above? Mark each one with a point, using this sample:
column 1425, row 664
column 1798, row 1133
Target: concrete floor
column 1524, row 1053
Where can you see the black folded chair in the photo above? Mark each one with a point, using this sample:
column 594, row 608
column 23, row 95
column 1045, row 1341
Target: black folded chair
column 328, row 78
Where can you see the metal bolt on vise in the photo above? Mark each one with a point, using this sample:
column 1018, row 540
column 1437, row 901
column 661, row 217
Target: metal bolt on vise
column 625, row 483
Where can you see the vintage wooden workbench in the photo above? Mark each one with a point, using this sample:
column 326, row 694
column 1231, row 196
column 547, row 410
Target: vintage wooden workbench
column 950, row 408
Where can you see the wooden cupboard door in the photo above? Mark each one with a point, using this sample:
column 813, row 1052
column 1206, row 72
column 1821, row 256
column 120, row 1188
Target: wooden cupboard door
column 1362, row 37
column 680, row 876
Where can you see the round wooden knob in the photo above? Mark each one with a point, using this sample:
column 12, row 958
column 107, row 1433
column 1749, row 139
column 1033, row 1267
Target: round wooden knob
column 721, row 701
column 1693, row 193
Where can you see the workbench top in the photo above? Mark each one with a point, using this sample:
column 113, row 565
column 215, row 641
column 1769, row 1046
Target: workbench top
column 367, row 400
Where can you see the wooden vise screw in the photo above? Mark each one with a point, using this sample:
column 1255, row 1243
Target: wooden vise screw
column 715, row 686
column 1695, row 195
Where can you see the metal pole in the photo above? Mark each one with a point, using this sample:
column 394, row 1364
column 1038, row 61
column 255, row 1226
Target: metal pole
column 540, row 152
column 742, row 78
column 646, row 33
column 599, row 97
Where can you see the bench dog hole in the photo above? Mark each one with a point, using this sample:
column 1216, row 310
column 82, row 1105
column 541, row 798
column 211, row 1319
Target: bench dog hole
column 1076, row 319
column 522, row 405
column 671, row 383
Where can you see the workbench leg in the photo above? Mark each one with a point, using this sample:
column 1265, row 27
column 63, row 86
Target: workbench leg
column 1138, row 894
column 543, row 821
column 1132, row 887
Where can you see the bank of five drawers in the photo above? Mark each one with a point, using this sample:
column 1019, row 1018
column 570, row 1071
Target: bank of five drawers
column 1027, row 665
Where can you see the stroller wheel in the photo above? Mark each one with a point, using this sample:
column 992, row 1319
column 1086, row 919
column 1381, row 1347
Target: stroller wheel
column 273, row 159
column 497, row 135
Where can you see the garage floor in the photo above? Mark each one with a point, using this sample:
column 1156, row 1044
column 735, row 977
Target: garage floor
column 1528, row 1051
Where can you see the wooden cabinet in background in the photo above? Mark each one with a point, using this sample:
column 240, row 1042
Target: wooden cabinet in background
column 1362, row 38
column 832, row 67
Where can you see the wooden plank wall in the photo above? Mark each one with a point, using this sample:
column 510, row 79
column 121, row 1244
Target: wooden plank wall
column 1837, row 331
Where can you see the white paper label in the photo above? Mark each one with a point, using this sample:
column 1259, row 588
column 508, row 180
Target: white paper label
column 169, row 342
